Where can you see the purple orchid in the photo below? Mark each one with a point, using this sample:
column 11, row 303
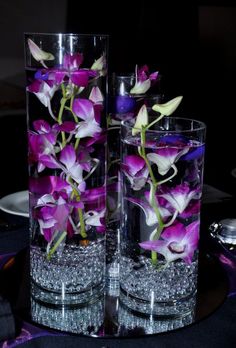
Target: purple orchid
column 40, row 145
column 178, row 242
column 135, row 169
column 71, row 71
column 64, row 149
column 180, row 196
column 150, row 214
column 49, row 185
column 44, row 91
column 53, row 217
column 143, row 80
column 165, row 158
column 69, row 164
column 84, row 109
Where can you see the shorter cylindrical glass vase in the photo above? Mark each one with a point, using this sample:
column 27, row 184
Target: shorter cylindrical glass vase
column 162, row 176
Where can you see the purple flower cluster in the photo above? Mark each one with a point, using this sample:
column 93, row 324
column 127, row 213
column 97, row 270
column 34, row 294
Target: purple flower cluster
column 62, row 149
column 171, row 209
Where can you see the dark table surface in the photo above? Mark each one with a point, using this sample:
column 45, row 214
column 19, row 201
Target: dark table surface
column 215, row 330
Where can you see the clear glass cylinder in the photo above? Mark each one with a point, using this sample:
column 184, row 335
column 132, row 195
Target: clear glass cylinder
column 66, row 111
column 123, row 105
column 162, row 177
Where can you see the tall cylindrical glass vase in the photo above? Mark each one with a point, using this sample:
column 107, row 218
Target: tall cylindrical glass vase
column 66, row 106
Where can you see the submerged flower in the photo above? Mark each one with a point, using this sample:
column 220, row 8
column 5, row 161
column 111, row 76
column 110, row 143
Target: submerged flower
column 164, row 158
column 44, row 91
column 148, row 209
column 178, row 242
column 134, row 167
column 84, row 109
column 180, row 196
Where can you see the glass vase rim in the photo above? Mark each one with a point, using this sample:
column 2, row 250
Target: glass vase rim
column 128, row 124
column 123, row 75
column 66, row 34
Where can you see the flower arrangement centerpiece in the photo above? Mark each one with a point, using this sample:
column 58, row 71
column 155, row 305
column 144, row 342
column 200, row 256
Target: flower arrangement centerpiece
column 66, row 120
column 162, row 168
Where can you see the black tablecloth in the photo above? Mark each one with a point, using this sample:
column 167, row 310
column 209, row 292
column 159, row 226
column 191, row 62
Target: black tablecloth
column 217, row 330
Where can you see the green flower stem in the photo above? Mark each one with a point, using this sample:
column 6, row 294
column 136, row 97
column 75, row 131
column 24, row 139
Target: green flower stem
column 71, row 106
column 59, row 120
column 154, row 122
column 170, row 177
column 80, row 212
column 154, row 186
column 77, row 143
column 172, row 219
column 82, row 224
column 56, row 245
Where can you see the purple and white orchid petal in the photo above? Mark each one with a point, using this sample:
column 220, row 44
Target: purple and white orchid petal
column 46, row 199
column 40, row 167
column 82, row 186
column 165, row 158
column 180, row 196
column 45, row 93
column 72, row 61
column 87, row 129
column 134, row 164
column 48, row 184
column 68, row 156
column 174, row 233
column 83, row 108
column 96, row 95
column 41, row 126
column 192, row 234
column 37, row 53
column 179, row 242
column 49, row 161
column 153, row 76
column 161, row 247
column 150, row 215
column 67, row 126
column 137, row 181
column 76, row 172
column 80, row 78
column 92, row 218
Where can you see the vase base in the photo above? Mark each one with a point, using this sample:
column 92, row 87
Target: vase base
column 162, row 309
column 67, row 300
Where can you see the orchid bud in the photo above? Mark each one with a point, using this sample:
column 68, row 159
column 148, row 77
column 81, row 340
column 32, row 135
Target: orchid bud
column 99, row 64
column 37, row 53
column 96, row 96
column 141, row 120
column 169, row 107
column 141, row 87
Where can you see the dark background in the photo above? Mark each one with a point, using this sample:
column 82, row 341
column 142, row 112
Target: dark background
column 193, row 46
